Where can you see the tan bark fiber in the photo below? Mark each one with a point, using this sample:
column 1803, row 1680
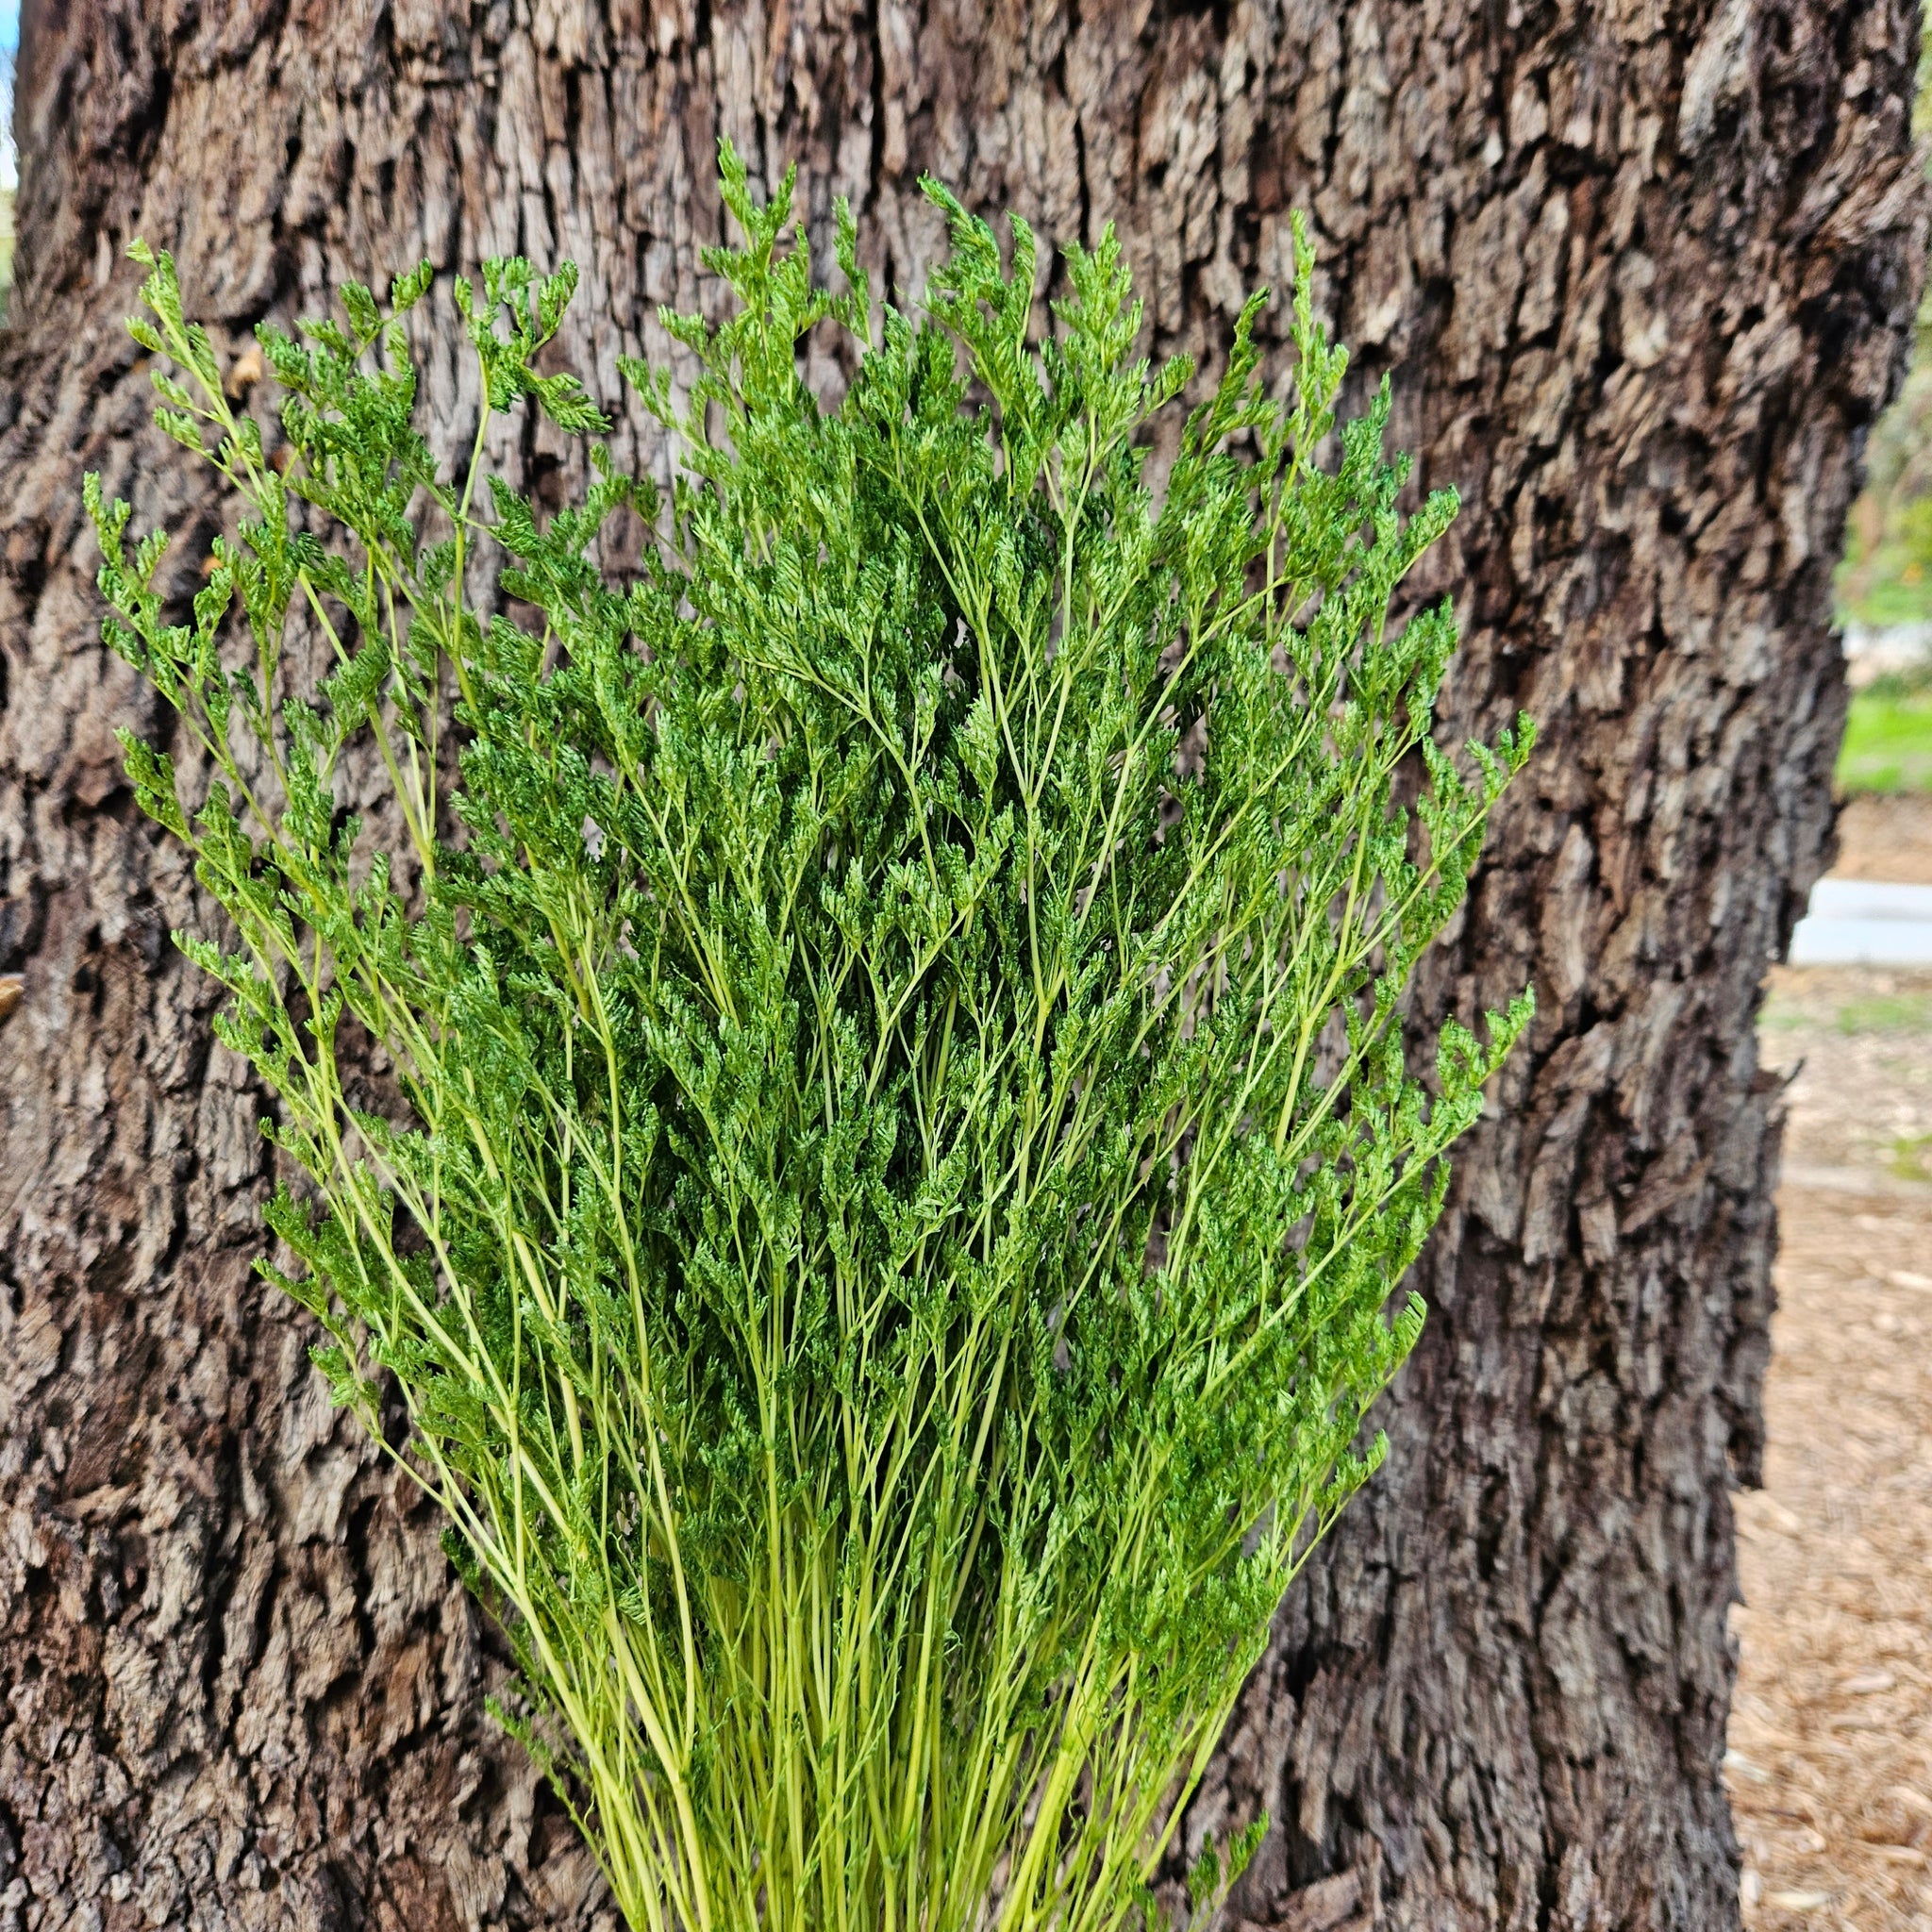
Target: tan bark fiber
column 1643, row 274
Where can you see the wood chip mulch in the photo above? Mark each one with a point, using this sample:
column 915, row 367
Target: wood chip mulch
column 1830, row 1762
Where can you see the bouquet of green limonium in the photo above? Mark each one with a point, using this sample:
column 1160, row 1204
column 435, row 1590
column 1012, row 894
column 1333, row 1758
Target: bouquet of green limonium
column 899, row 1151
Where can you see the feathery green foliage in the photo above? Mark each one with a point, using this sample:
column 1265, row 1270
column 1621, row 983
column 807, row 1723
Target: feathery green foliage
column 904, row 1150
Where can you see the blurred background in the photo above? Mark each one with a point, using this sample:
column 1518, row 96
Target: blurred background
column 10, row 41
column 1884, row 589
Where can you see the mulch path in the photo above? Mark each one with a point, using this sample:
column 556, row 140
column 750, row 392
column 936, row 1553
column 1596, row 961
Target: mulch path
column 1830, row 1762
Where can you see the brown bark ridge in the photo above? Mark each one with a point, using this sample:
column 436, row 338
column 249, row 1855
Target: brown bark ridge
column 1643, row 274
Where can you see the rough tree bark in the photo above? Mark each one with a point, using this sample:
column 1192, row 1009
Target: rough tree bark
column 1644, row 273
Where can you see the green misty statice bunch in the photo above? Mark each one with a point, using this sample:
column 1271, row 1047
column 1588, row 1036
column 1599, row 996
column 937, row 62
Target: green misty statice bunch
column 901, row 1152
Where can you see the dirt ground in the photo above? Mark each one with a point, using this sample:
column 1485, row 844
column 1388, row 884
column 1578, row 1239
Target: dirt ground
column 1830, row 1763
column 1887, row 839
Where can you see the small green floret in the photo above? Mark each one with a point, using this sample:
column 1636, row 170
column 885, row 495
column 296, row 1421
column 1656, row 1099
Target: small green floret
column 900, row 1152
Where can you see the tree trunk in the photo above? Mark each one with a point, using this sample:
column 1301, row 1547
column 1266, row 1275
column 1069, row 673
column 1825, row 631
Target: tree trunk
column 1644, row 276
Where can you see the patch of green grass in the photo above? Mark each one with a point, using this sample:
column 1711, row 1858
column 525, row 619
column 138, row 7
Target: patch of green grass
column 1911, row 1157
column 1888, row 743
column 1900, row 1012
column 1893, row 1012
column 1884, row 580
column 1897, row 590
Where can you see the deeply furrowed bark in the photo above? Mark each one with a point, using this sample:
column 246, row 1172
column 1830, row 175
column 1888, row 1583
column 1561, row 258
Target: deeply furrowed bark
column 1644, row 276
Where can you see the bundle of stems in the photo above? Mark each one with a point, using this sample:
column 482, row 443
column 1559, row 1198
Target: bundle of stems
column 900, row 1151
